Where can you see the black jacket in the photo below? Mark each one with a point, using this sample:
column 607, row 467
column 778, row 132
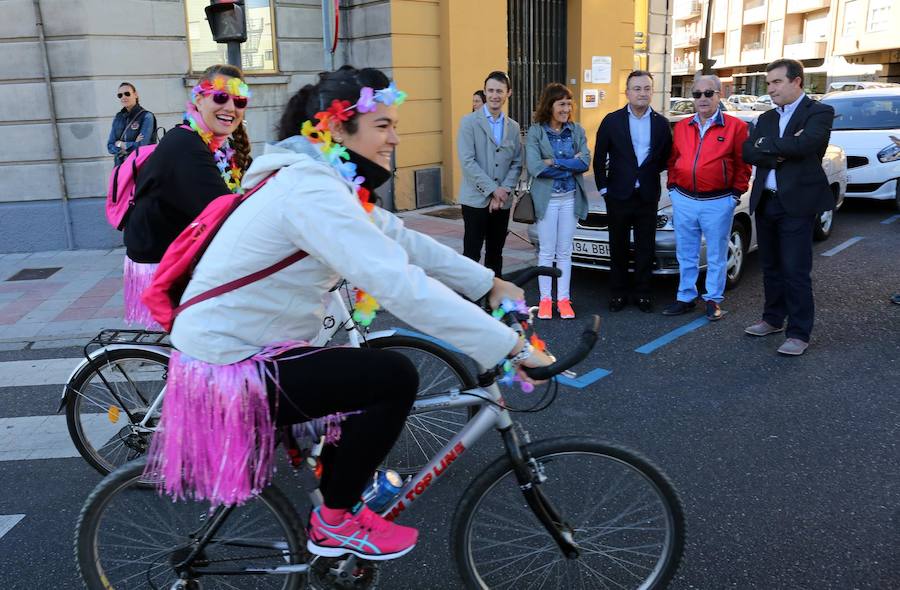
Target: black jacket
column 175, row 184
column 802, row 184
column 619, row 176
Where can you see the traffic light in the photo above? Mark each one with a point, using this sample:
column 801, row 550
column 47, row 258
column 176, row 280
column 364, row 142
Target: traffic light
column 226, row 20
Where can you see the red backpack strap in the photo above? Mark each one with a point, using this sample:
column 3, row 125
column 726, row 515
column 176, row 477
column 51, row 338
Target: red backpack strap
column 238, row 283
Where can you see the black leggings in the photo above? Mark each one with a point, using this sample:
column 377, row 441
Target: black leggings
column 381, row 383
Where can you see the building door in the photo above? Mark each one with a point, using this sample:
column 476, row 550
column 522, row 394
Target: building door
column 537, row 52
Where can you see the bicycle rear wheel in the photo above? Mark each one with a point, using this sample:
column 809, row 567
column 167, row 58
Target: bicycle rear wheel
column 440, row 371
column 129, row 536
column 624, row 515
column 104, row 421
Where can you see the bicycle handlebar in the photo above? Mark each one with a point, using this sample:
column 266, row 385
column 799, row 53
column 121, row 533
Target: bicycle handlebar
column 575, row 356
column 521, row 277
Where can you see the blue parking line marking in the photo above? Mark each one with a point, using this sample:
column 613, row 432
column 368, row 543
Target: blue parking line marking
column 673, row 335
column 890, row 219
column 843, row 246
column 585, row 380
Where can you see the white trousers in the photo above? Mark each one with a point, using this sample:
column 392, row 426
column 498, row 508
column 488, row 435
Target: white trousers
column 555, row 231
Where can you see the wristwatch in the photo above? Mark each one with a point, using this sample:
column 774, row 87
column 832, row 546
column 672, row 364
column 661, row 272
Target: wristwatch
column 523, row 354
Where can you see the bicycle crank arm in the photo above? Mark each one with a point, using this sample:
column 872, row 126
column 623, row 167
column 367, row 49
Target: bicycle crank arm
column 546, row 513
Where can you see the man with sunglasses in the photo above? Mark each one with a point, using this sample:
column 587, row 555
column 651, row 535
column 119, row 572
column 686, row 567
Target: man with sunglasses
column 133, row 126
column 789, row 192
column 707, row 176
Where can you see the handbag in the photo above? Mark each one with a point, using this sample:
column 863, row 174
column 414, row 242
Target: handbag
column 523, row 209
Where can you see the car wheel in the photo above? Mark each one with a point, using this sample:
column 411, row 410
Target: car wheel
column 738, row 242
column 824, row 223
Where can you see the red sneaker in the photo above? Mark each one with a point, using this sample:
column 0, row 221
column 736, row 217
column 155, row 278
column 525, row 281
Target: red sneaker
column 364, row 534
column 545, row 309
column 565, row 309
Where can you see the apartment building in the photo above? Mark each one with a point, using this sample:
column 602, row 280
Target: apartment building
column 836, row 40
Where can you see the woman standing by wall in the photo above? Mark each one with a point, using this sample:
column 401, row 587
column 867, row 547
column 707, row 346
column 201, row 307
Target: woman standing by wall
column 196, row 162
column 557, row 156
column 133, row 126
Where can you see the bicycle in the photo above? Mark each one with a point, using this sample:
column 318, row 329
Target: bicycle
column 113, row 397
column 566, row 512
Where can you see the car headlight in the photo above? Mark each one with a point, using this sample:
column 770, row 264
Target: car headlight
column 664, row 218
column 889, row 154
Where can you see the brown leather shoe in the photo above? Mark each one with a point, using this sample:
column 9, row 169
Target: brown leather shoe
column 762, row 328
column 793, row 347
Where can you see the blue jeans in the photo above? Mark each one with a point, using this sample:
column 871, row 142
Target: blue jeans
column 712, row 219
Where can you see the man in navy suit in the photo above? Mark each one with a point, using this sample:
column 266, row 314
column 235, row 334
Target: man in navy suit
column 789, row 192
column 637, row 140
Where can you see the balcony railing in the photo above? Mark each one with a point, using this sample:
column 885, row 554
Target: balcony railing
column 753, row 53
column 805, row 50
column 755, row 13
column 685, row 9
column 686, row 65
column 802, row 6
column 685, row 40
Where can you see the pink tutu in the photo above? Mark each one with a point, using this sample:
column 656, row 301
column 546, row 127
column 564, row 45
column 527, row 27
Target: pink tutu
column 216, row 436
column 137, row 276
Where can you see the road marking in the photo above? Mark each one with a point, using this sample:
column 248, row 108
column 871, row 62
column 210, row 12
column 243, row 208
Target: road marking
column 583, row 381
column 47, row 437
column 37, row 372
column 8, row 521
column 843, row 246
column 673, row 335
column 891, row 219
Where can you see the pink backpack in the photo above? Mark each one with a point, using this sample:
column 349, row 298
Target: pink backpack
column 164, row 294
column 122, row 185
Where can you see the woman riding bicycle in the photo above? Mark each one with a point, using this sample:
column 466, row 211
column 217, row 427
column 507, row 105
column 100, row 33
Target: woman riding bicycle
column 241, row 366
column 196, row 162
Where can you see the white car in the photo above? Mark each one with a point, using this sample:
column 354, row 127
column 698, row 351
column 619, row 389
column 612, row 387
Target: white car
column 743, row 102
column 867, row 126
column 763, row 103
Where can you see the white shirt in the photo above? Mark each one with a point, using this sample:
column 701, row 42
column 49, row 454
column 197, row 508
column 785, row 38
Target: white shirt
column 784, row 114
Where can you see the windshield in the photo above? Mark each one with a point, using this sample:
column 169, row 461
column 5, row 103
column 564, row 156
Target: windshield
column 866, row 112
column 748, row 99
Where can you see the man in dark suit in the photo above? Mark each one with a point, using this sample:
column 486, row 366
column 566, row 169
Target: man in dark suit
column 637, row 141
column 790, row 191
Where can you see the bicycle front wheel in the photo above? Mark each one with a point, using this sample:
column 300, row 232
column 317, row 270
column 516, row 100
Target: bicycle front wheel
column 130, row 536
column 624, row 515
column 105, row 418
column 440, row 371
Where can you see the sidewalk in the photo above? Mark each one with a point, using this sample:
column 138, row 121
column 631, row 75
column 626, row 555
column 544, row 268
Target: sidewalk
column 63, row 298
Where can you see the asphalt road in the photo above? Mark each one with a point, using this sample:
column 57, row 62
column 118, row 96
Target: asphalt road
column 789, row 468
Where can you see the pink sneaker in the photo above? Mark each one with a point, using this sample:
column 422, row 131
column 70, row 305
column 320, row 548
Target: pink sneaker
column 545, row 309
column 565, row 309
column 364, row 534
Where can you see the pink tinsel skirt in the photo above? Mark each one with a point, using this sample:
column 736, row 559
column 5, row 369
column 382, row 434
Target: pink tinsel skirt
column 137, row 276
column 216, row 436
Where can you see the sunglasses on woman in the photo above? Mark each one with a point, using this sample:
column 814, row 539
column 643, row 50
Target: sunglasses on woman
column 706, row 93
column 121, row 94
column 220, row 97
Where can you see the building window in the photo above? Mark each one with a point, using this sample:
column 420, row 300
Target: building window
column 257, row 53
column 879, row 15
column 775, row 30
column 851, row 18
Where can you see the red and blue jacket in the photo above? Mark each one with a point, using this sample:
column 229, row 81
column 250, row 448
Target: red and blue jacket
column 711, row 166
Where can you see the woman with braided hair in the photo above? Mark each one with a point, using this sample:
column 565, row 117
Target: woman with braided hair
column 201, row 159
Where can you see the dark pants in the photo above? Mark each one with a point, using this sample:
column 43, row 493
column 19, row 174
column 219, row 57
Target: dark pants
column 380, row 383
column 785, row 252
column 624, row 216
column 488, row 229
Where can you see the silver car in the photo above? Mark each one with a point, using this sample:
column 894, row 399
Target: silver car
column 590, row 247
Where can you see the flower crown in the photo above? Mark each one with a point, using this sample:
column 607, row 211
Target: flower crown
column 341, row 110
column 233, row 86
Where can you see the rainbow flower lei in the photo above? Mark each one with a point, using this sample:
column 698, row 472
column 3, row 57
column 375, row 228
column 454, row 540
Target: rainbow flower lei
column 223, row 153
column 365, row 306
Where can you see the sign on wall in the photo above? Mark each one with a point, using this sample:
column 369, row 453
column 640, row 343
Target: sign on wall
column 601, row 69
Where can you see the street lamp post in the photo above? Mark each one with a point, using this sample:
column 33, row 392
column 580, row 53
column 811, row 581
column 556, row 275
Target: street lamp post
column 228, row 25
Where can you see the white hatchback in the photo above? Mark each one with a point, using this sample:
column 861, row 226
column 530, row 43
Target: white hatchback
column 867, row 127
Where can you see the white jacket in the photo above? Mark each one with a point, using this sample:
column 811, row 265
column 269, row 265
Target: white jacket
column 308, row 206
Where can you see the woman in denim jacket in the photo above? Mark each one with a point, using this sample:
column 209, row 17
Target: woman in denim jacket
column 133, row 126
column 557, row 156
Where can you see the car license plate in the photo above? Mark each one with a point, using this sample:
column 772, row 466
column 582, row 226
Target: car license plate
column 592, row 249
